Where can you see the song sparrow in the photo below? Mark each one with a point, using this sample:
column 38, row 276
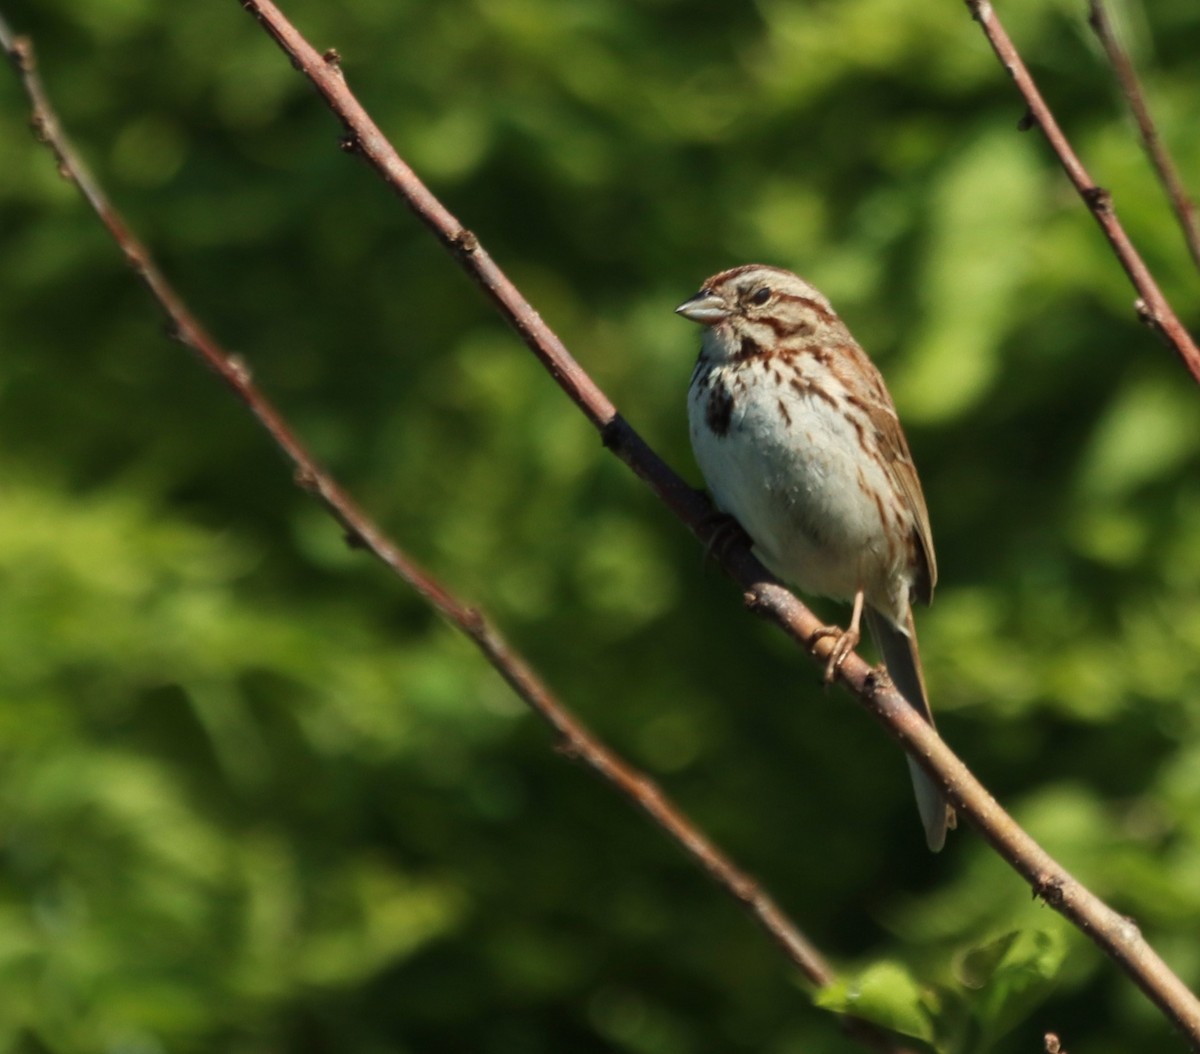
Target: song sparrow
column 798, row 440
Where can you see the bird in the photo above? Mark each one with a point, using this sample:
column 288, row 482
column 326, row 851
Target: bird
column 799, row 441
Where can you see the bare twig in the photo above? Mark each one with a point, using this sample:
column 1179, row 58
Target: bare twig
column 1160, row 157
column 1152, row 307
column 1116, row 935
column 575, row 740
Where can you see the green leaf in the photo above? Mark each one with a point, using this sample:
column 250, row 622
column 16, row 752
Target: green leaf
column 885, row 993
column 1012, row 974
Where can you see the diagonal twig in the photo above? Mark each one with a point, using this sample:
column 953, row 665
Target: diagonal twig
column 1152, row 307
column 574, row 739
column 1117, row 936
column 1156, row 150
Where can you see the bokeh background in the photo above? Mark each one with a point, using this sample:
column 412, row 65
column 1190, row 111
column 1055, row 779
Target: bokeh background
column 254, row 797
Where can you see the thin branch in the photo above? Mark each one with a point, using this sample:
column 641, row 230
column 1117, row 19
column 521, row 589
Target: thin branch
column 1116, row 935
column 1156, row 150
column 1152, row 307
column 575, row 740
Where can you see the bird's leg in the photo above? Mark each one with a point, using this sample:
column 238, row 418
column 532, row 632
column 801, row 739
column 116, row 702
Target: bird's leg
column 847, row 639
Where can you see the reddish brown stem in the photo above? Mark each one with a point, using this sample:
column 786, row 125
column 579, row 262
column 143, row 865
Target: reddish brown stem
column 1156, row 150
column 1151, row 305
column 1117, row 936
column 575, row 740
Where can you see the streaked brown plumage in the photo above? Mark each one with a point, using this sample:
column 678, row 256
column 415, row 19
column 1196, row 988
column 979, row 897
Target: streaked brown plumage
column 798, row 439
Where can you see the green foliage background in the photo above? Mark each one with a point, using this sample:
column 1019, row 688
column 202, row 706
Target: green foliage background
column 253, row 797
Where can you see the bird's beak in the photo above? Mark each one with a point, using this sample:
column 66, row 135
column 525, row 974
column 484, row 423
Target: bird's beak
column 706, row 307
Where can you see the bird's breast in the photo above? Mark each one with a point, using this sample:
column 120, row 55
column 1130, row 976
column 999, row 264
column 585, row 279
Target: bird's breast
column 784, row 450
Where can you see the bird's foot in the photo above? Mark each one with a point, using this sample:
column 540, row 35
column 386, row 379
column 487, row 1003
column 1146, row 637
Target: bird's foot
column 724, row 533
column 846, row 641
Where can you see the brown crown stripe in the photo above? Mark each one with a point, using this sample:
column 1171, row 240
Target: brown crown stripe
column 736, row 272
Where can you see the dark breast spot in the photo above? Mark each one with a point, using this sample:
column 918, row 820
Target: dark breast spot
column 750, row 348
column 719, row 410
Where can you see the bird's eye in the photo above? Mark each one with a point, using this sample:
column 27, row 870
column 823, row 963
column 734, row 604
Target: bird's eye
column 761, row 296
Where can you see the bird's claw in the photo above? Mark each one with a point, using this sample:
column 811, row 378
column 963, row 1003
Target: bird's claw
column 846, row 641
column 725, row 532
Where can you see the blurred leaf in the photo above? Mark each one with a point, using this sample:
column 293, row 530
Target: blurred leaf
column 254, row 796
column 1011, row 974
column 885, row 993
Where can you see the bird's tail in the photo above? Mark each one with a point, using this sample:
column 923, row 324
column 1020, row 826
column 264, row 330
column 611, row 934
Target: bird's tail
column 899, row 649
